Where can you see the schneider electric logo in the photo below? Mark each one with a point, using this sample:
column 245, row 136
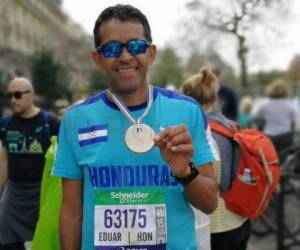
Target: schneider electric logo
column 132, row 197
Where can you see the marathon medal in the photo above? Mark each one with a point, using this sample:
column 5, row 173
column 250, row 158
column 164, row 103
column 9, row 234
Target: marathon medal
column 139, row 136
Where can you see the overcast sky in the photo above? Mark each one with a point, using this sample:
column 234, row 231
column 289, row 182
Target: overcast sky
column 164, row 15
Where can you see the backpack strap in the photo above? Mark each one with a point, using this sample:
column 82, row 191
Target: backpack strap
column 224, row 131
column 5, row 121
column 221, row 129
column 46, row 123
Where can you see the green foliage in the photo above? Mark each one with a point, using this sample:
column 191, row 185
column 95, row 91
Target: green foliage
column 167, row 70
column 266, row 77
column 97, row 81
column 212, row 60
column 194, row 63
column 49, row 77
column 2, row 81
column 294, row 69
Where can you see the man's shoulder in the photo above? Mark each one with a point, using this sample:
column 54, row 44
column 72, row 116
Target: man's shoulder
column 49, row 117
column 87, row 103
column 6, row 120
column 173, row 96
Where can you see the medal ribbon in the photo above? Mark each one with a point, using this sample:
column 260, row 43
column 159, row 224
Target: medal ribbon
column 126, row 112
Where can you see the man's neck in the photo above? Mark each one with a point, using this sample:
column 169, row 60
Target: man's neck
column 132, row 99
column 30, row 112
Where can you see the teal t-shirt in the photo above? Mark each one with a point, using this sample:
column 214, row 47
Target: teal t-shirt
column 131, row 201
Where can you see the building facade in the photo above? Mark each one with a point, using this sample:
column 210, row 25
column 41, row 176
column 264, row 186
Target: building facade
column 30, row 26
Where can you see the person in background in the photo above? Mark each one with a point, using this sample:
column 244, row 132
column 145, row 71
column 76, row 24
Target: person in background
column 229, row 231
column 25, row 137
column 46, row 235
column 244, row 117
column 278, row 114
column 228, row 100
column 61, row 107
column 126, row 164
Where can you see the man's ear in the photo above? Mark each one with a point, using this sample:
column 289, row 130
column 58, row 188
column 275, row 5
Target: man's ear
column 152, row 53
column 97, row 59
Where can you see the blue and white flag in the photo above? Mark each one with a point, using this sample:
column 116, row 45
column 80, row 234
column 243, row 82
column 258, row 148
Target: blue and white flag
column 91, row 135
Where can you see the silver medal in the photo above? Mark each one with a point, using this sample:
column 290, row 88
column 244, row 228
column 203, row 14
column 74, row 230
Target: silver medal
column 139, row 138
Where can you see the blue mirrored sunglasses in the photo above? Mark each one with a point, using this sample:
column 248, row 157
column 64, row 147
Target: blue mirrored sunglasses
column 114, row 49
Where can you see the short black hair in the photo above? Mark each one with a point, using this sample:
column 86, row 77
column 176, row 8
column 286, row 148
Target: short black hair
column 123, row 13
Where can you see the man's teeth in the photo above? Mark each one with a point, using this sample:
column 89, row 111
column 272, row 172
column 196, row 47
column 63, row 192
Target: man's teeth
column 127, row 70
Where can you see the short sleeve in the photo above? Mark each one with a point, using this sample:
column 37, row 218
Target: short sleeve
column 66, row 164
column 203, row 142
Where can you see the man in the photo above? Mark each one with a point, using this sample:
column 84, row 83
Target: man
column 120, row 192
column 25, row 137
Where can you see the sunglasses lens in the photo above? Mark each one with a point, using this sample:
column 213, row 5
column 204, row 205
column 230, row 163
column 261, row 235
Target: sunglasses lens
column 18, row 95
column 136, row 47
column 112, row 49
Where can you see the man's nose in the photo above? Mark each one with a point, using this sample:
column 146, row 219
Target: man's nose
column 125, row 55
column 13, row 99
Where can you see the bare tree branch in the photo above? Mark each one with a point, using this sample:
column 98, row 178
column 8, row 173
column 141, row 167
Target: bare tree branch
column 239, row 18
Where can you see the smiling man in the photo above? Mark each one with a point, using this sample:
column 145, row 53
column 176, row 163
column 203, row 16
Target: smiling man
column 134, row 157
column 26, row 137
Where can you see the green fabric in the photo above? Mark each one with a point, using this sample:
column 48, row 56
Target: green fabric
column 46, row 234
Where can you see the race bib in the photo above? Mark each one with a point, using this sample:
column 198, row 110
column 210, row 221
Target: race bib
column 130, row 219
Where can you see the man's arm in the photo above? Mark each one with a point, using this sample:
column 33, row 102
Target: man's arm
column 3, row 165
column 202, row 191
column 71, row 215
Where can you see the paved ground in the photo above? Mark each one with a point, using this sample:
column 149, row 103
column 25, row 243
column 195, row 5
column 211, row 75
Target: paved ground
column 266, row 243
column 262, row 243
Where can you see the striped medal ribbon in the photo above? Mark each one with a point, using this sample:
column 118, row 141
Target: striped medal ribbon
column 139, row 136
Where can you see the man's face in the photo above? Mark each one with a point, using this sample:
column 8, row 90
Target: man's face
column 126, row 74
column 23, row 104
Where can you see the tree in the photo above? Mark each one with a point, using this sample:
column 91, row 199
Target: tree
column 97, row 81
column 167, row 70
column 266, row 77
column 238, row 18
column 294, row 69
column 49, row 77
column 213, row 60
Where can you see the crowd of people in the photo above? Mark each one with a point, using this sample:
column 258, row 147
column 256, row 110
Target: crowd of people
column 130, row 161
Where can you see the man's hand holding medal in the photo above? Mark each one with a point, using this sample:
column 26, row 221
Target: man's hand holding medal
column 176, row 148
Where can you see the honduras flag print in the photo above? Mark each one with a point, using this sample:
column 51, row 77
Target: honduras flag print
column 91, row 135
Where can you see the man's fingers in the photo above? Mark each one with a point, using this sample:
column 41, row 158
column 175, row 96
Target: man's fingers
column 183, row 138
column 183, row 148
column 168, row 133
column 158, row 142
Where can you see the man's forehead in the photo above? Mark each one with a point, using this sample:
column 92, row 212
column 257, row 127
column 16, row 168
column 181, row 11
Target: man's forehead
column 118, row 30
column 20, row 84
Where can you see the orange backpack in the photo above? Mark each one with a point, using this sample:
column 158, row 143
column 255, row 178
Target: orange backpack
column 249, row 198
